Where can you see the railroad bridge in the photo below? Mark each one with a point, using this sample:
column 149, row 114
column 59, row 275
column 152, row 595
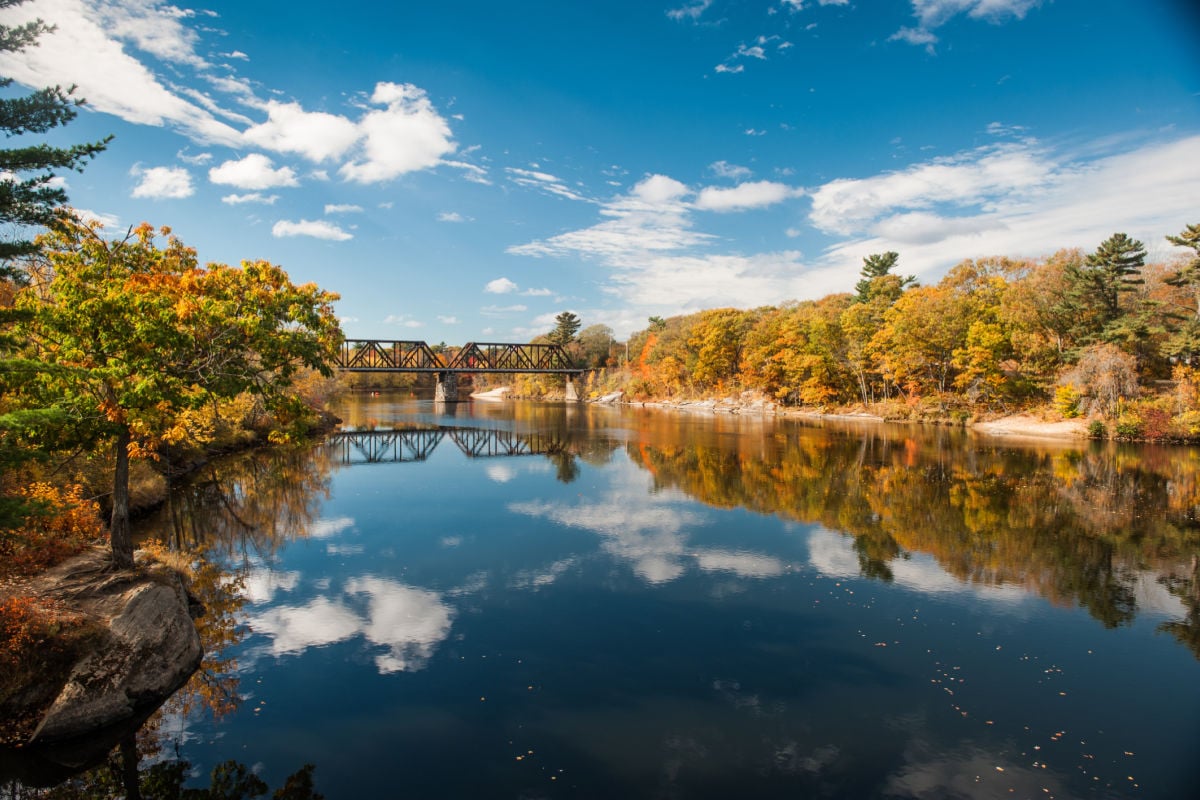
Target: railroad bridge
column 378, row 355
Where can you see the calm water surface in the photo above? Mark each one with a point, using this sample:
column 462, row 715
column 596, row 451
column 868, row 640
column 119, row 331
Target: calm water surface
column 520, row 600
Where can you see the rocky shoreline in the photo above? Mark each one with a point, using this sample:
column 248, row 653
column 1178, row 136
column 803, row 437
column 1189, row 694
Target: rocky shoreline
column 142, row 646
column 1015, row 425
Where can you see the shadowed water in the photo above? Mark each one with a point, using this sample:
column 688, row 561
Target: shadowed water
column 520, row 600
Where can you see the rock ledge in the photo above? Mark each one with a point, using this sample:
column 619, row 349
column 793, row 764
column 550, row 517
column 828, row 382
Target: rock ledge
column 147, row 646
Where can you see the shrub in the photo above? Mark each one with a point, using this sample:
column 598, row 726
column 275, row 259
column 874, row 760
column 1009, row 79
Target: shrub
column 1066, row 400
column 1129, row 426
column 1097, row 430
column 65, row 523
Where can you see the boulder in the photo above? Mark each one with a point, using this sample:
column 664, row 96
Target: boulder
column 146, row 650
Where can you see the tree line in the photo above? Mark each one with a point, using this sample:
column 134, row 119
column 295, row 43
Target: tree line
column 1086, row 331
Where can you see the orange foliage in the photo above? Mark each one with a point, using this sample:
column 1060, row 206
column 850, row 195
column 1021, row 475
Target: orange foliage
column 67, row 523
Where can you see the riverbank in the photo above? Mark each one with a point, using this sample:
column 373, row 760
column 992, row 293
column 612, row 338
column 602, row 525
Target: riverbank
column 99, row 647
column 1024, row 424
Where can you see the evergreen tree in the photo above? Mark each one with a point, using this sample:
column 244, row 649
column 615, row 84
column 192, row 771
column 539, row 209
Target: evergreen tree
column 28, row 199
column 565, row 327
column 28, row 196
column 1185, row 342
column 1105, row 275
column 878, row 265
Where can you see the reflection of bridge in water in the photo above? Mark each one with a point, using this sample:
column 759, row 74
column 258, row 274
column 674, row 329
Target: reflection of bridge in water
column 417, row 444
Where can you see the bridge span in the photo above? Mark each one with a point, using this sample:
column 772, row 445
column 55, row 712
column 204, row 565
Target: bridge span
column 380, row 355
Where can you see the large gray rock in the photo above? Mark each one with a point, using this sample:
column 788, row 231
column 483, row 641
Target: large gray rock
column 147, row 649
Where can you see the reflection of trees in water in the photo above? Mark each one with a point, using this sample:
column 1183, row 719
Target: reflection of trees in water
column 1076, row 526
column 136, row 767
column 245, row 506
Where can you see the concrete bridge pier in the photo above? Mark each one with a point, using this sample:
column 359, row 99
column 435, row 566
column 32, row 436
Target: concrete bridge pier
column 446, row 389
column 572, row 392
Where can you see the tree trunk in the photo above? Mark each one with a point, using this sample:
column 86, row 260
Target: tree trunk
column 129, row 767
column 119, row 532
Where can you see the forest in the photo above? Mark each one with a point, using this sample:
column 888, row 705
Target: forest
column 1101, row 335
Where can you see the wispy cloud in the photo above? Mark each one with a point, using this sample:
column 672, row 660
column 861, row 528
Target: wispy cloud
column 726, row 170
column 317, row 229
column 933, row 14
column 250, row 197
column 689, row 12
column 342, row 208
column 544, row 181
column 1014, row 198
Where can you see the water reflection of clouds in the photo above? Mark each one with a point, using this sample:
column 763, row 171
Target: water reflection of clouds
column 260, row 584
column 408, row 621
column 832, row 554
column 328, row 528
column 648, row 529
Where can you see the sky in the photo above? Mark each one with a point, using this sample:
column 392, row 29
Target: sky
column 466, row 171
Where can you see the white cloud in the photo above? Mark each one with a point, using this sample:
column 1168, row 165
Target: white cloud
column 651, row 218
column 1045, row 202
column 342, row 208
column 537, row 293
column 316, row 135
column 500, row 286
column 915, row 36
column 405, row 136
column 403, row 320
column 758, row 194
column 986, row 176
column 448, row 320
column 726, row 170
column 255, row 171
column 494, row 310
column 163, row 183
column 932, row 14
column 689, row 11
column 115, row 52
column 730, row 69
column 88, row 48
column 451, row 216
column 250, row 197
column 318, row 229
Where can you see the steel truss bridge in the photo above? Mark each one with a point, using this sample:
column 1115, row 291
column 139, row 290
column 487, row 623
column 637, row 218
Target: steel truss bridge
column 377, row 355
column 417, row 444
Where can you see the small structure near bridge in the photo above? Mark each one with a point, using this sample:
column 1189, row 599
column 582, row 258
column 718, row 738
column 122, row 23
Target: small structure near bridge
column 378, row 355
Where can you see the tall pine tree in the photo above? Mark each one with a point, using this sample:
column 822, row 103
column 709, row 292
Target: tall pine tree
column 29, row 198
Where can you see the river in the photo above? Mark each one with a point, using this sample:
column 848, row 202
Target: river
column 521, row 600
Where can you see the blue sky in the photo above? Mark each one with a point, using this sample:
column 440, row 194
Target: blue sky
column 465, row 171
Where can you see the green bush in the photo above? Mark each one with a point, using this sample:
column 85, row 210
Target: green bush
column 1097, row 430
column 1129, row 426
